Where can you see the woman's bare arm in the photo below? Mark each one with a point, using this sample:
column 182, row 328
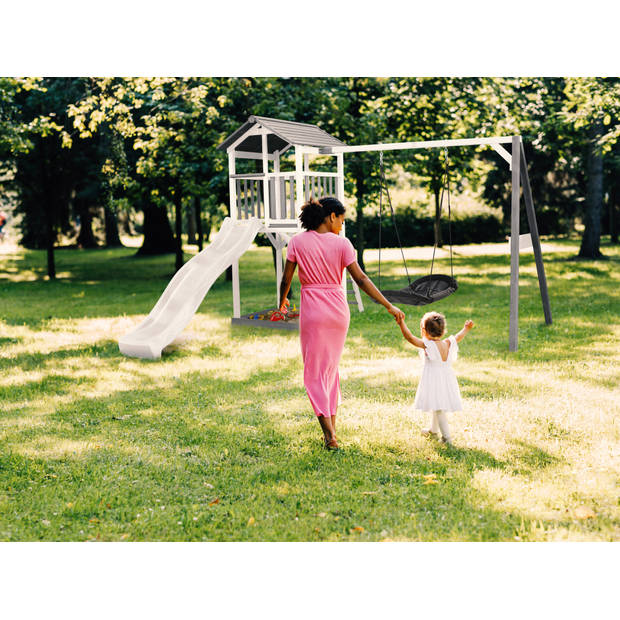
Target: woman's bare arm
column 366, row 284
column 285, row 284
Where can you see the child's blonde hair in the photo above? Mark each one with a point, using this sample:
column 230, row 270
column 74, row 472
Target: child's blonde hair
column 434, row 324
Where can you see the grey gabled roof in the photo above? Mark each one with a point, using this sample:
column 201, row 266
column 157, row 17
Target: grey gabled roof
column 283, row 134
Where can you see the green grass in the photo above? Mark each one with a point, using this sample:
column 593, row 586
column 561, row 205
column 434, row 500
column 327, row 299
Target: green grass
column 217, row 441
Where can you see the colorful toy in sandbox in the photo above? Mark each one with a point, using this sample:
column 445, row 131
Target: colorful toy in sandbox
column 271, row 317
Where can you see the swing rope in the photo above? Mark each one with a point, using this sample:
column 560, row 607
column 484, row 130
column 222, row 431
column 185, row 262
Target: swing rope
column 444, row 186
column 426, row 289
column 383, row 184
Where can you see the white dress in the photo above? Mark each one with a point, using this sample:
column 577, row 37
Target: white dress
column 438, row 388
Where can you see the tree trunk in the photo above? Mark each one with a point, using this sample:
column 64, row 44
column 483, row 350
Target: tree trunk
column 191, row 224
column 359, row 195
column 86, row 237
column 51, row 238
column 158, row 237
column 437, row 223
column 198, row 214
column 48, row 199
column 178, row 213
column 613, row 209
column 591, row 241
column 112, row 240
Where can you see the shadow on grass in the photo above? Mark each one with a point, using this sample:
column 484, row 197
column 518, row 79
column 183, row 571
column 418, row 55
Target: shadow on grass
column 225, row 469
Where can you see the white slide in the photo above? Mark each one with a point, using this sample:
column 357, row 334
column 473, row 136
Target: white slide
column 184, row 293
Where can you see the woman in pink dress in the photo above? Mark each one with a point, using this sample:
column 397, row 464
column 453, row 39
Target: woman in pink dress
column 324, row 314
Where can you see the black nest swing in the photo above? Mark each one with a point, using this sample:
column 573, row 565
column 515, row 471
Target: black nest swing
column 430, row 288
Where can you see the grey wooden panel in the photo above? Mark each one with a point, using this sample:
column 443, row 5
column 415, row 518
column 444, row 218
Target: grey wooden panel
column 306, row 188
column 531, row 219
column 259, row 193
column 245, row 198
column 513, row 330
column 253, row 198
column 282, row 198
column 291, row 188
column 238, row 192
column 272, row 199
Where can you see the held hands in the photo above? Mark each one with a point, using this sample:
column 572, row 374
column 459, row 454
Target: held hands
column 284, row 306
column 468, row 325
column 399, row 315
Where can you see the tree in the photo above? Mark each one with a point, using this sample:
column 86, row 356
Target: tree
column 591, row 104
column 532, row 108
column 421, row 109
column 47, row 173
column 351, row 110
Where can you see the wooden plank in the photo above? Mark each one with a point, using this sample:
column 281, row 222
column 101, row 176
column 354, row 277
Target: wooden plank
column 299, row 180
column 513, row 329
column 531, row 220
column 265, row 180
column 429, row 144
column 259, row 201
column 291, row 189
column 237, row 198
column 276, row 185
column 253, row 198
column 245, row 198
column 236, row 290
column 282, row 194
column 232, row 186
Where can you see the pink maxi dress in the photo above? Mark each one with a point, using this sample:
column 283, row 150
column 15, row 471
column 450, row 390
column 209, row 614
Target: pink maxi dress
column 323, row 314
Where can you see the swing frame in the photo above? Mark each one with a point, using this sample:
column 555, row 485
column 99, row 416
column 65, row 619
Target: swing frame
column 520, row 180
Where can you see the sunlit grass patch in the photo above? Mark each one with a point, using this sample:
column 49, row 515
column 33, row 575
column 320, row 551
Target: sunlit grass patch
column 217, row 440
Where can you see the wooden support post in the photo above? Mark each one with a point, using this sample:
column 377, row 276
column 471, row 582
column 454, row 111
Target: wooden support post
column 513, row 330
column 236, row 290
column 276, row 184
column 531, row 219
column 279, row 245
column 265, row 179
column 299, row 183
column 232, row 185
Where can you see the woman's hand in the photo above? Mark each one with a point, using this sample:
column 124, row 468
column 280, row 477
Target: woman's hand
column 284, row 305
column 398, row 314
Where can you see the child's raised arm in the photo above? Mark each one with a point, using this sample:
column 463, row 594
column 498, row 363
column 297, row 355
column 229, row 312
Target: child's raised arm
column 416, row 342
column 468, row 325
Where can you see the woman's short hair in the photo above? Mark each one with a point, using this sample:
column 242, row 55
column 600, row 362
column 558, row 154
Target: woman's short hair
column 314, row 211
column 434, row 323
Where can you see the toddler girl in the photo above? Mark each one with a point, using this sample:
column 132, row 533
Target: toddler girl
column 438, row 391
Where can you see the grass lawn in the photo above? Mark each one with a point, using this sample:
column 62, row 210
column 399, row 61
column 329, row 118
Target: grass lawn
column 217, row 440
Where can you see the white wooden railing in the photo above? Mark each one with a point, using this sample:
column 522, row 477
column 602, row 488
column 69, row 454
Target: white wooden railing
column 283, row 210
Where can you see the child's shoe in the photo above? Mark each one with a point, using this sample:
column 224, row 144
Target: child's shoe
column 427, row 432
column 447, row 441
